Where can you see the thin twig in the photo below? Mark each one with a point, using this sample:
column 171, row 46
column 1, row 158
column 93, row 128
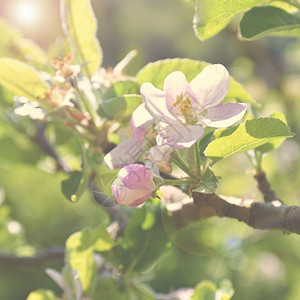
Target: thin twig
column 54, row 253
column 265, row 187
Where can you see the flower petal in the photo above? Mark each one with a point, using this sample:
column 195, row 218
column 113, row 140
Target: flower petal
column 175, row 84
column 210, row 86
column 155, row 103
column 131, row 197
column 140, row 122
column 124, row 154
column 179, row 136
column 224, row 115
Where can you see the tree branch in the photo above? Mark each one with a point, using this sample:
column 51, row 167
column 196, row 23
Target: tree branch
column 265, row 187
column 272, row 215
column 54, row 253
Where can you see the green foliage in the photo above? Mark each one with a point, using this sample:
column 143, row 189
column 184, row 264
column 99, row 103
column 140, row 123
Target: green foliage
column 157, row 72
column 21, row 80
column 80, row 248
column 276, row 143
column 246, row 136
column 120, row 88
column 260, row 21
column 209, row 183
column 42, row 295
column 143, row 242
column 211, row 16
column 207, row 290
column 80, row 27
column 119, row 108
column 74, row 186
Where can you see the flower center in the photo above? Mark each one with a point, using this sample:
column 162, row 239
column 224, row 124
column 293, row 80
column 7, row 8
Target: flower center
column 184, row 105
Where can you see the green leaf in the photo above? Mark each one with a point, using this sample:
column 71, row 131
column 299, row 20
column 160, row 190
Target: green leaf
column 209, row 183
column 248, row 135
column 80, row 27
column 205, row 290
column 119, row 108
column 32, row 52
column 275, row 144
column 157, row 72
column 21, row 80
column 71, row 186
column 225, row 291
column 80, row 257
column 238, row 93
column 80, row 248
column 143, row 241
column 211, row 16
column 120, row 88
column 75, row 186
column 260, row 21
column 42, row 295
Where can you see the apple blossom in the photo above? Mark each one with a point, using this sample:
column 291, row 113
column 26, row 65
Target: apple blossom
column 186, row 108
column 161, row 156
column 133, row 186
column 129, row 150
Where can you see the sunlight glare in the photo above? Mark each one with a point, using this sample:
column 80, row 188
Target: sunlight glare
column 27, row 12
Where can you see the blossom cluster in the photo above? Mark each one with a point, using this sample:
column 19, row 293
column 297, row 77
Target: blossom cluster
column 168, row 119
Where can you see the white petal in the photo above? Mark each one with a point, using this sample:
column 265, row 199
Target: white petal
column 140, row 122
column 210, row 86
column 124, row 154
column 155, row 103
column 180, row 136
column 224, row 115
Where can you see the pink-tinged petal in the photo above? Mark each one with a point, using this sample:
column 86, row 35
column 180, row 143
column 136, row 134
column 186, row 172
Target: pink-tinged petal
column 133, row 186
column 176, row 84
column 179, row 136
column 224, row 115
column 155, row 103
column 125, row 153
column 137, row 176
column 124, row 196
column 210, row 86
column 140, row 122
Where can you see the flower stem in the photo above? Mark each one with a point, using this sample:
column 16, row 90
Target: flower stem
column 176, row 182
column 182, row 164
column 198, row 158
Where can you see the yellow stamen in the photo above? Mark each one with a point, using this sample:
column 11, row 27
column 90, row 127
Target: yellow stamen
column 184, row 105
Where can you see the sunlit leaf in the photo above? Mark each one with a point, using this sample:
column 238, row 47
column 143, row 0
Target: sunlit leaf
column 80, row 248
column 274, row 144
column 80, row 257
column 119, row 108
column 211, row 16
column 260, row 21
column 248, row 135
column 32, row 52
column 80, row 26
column 205, row 290
column 120, row 88
column 157, row 72
column 21, row 80
column 42, row 295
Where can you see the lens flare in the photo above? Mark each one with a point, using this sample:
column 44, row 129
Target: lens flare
column 27, row 13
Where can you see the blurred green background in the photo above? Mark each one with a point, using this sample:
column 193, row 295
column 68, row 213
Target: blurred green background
column 35, row 216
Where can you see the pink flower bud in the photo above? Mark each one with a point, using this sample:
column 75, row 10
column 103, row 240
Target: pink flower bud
column 133, row 186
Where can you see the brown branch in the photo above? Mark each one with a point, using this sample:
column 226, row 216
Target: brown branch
column 272, row 215
column 54, row 253
column 265, row 187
